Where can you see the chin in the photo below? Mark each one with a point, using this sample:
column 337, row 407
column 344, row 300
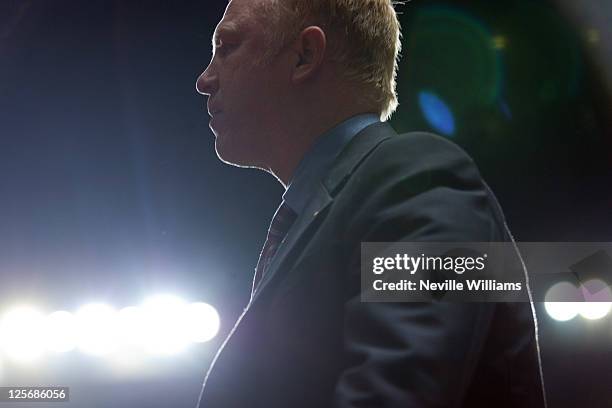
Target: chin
column 228, row 153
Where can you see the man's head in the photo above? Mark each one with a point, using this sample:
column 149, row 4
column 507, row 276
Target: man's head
column 285, row 70
column 363, row 38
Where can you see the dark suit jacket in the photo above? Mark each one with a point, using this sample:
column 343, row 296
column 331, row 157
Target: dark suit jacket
column 306, row 340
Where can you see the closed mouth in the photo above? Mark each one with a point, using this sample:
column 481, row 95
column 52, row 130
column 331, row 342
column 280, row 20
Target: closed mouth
column 213, row 110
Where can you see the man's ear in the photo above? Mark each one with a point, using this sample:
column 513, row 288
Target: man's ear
column 310, row 48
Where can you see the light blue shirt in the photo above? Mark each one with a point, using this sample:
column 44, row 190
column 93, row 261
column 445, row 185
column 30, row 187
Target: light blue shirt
column 317, row 161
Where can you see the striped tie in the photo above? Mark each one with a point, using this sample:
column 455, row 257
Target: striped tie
column 281, row 222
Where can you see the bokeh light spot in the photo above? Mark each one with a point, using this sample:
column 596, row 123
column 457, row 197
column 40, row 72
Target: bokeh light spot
column 437, row 113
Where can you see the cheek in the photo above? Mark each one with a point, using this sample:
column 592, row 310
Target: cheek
column 244, row 90
column 254, row 95
column 257, row 104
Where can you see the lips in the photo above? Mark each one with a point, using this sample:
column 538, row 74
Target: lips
column 215, row 115
column 213, row 110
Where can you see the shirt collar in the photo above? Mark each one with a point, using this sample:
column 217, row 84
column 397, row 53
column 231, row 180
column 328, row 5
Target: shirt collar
column 318, row 159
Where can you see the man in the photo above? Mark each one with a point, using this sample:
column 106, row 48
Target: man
column 298, row 88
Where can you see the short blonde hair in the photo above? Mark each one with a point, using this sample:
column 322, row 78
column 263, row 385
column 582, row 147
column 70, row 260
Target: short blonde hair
column 363, row 36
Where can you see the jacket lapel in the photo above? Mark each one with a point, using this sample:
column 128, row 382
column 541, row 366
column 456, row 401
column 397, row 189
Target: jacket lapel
column 319, row 201
column 355, row 152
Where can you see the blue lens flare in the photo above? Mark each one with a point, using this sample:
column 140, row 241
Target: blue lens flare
column 437, row 113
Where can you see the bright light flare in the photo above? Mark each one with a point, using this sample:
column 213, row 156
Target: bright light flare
column 97, row 329
column 131, row 326
column 595, row 310
column 21, row 331
column 61, row 332
column 562, row 310
column 203, row 322
column 165, row 325
column 598, row 298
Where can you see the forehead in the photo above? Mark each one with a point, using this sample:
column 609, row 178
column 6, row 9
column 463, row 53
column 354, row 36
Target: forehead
column 239, row 16
column 241, row 12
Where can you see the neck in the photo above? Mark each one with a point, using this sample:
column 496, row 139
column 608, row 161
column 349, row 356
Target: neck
column 304, row 132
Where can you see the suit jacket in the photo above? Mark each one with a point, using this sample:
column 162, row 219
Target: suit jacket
column 306, row 340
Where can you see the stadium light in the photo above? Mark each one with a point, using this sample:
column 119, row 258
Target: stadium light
column 163, row 324
column 592, row 300
column 131, row 327
column 60, row 332
column 203, row 322
column 21, row 332
column 97, row 329
column 594, row 310
column 562, row 301
column 561, row 311
column 598, row 298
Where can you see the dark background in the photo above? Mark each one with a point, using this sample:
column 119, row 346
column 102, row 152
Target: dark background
column 110, row 188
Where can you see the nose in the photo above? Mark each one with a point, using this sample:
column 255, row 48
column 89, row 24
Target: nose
column 207, row 81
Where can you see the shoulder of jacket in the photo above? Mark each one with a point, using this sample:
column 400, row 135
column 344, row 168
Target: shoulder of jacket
column 417, row 150
column 421, row 143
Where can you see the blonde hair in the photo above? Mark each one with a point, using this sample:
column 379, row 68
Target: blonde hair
column 363, row 37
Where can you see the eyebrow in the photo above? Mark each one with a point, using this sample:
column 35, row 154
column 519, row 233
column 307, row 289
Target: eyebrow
column 224, row 29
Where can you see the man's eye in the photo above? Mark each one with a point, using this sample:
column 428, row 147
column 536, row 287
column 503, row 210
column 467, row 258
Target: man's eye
column 224, row 47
